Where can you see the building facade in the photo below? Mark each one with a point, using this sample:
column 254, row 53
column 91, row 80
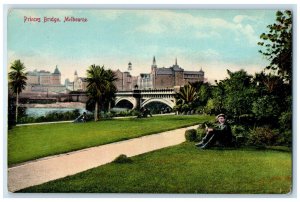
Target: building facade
column 158, row 78
column 44, row 81
column 174, row 76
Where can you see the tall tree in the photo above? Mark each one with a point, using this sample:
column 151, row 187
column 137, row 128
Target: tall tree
column 277, row 45
column 101, row 87
column 239, row 93
column 111, row 88
column 17, row 81
column 96, row 85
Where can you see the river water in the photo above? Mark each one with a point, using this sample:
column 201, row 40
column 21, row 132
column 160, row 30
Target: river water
column 36, row 112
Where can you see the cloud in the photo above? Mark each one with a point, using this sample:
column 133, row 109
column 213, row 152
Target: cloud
column 153, row 28
column 197, row 26
column 240, row 18
column 207, row 34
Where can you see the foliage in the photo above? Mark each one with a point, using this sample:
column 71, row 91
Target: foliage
column 53, row 116
column 241, row 134
column 101, row 88
column 277, row 44
column 191, row 135
column 185, row 98
column 285, row 120
column 215, row 104
column 201, row 132
column 266, row 108
column 239, row 93
column 263, row 136
column 122, row 159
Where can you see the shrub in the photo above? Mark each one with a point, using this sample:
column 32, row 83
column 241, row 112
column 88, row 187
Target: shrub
column 285, row 120
column 263, row 136
column 201, row 132
column 122, row 159
column 240, row 134
column 191, row 135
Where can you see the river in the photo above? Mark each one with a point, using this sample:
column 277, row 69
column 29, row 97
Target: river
column 42, row 111
column 36, row 112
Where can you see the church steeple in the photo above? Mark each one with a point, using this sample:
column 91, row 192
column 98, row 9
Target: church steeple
column 153, row 66
column 154, row 61
column 176, row 61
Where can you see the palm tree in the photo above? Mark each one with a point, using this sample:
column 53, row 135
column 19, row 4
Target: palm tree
column 111, row 88
column 186, row 96
column 17, row 80
column 101, row 86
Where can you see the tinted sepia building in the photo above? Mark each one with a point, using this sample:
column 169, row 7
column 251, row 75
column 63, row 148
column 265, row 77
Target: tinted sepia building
column 44, row 81
column 158, row 78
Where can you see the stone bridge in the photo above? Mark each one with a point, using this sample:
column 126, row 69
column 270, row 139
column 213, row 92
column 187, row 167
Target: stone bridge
column 140, row 98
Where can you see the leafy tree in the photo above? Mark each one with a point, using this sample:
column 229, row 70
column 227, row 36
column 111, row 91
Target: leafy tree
column 266, row 109
column 277, row 44
column 239, row 93
column 17, row 81
column 101, row 87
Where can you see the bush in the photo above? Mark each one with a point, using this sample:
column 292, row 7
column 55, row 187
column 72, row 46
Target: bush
column 201, row 132
column 53, row 116
column 285, row 120
column 263, row 136
column 122, row 159
column 191, row 135
column 240, row 134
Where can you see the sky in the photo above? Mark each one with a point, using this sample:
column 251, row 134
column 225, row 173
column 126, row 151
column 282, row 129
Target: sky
column 214, row 40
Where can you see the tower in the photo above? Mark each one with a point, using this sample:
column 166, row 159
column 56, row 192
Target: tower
column 153, row 72
column 75, row 75
column 153, row 66
column 129, row 66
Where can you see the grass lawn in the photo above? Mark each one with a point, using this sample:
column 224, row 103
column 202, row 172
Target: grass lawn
column 185, row 169
column 36, row 141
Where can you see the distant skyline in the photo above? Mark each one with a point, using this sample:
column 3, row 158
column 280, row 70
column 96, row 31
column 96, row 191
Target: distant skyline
column 214, row 40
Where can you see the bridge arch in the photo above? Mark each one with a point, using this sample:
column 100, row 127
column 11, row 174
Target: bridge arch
column 129, row 99
column 169, row 102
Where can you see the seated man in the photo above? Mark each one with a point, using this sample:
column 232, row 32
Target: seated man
column 221, row 133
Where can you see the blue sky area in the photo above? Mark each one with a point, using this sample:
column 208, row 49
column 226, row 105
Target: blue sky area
column 214, row 40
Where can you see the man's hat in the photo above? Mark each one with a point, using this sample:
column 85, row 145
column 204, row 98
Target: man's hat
column 221, row 115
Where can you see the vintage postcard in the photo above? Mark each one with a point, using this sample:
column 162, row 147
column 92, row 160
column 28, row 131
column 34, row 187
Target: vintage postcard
column 154, row 101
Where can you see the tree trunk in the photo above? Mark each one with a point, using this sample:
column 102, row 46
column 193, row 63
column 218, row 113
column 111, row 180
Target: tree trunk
column 17, row 106
column 96, row 111
column 109, row 106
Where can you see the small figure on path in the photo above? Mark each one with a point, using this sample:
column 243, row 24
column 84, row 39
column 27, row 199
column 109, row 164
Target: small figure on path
column 144, row 112
column 221, row 134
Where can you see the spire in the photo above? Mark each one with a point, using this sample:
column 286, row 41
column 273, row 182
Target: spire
column 176, row 61
column 154, row 61
column 75, row 73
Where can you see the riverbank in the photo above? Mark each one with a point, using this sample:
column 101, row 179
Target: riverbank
column 77, row 105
